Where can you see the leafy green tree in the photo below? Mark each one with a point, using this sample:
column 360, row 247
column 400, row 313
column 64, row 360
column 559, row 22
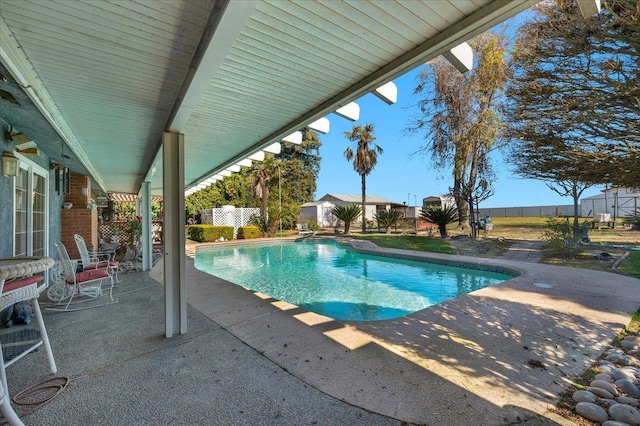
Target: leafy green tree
column 364, row 158
column 347, row 214
column 574, row 100
column 286, row 180
column 299, row 167
column 388, row 218
column 441, row 216
column 462, row 120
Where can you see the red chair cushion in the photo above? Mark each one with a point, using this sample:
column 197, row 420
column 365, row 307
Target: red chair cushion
column 22, row 282
column 94, row 274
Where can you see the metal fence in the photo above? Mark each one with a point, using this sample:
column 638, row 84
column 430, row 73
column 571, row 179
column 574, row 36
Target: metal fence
column 530, row 211
column 228, row 216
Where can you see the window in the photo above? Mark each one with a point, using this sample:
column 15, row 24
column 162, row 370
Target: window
column 31, row 212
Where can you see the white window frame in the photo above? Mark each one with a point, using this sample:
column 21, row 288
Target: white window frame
column 32, row 168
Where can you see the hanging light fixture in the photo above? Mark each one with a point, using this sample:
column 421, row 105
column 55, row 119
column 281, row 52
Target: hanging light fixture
column 10, row 164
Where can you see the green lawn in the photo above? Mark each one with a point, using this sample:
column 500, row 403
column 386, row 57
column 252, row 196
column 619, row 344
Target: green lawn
column 631, row 265
column 529, row 222
column 409, row 242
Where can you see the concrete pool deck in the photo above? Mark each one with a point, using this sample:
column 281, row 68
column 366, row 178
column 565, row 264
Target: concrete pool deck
column 497, row 356
column 471, row 360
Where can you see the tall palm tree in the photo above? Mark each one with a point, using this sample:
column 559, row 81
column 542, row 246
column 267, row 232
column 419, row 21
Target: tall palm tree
column 263, row 173
column 364, row 159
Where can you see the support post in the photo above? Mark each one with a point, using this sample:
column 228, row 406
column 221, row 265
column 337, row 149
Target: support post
column 147, row 239
column 174, row 238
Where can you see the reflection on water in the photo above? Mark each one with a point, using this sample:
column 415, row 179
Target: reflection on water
column 333, row 280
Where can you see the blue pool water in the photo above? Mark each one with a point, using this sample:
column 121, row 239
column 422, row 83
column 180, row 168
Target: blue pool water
column 333, row 280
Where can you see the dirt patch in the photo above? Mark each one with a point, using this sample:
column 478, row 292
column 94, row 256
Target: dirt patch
column 481, row 247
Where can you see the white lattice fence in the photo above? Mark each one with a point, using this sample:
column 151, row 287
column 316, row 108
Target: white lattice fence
column 228, row 216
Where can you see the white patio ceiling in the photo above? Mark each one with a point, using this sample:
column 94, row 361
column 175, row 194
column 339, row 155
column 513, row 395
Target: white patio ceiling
column 234, row 76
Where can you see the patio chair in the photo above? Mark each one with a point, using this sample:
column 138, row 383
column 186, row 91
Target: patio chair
column 96, row 260
column 303, row 229
column 74, row 284
column 7, row 410
column 14, row 345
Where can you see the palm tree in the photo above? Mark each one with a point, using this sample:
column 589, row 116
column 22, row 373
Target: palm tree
column 347, row 214
column 365, row 158
column 388, row 218
column 262, row 174
column 441, row 216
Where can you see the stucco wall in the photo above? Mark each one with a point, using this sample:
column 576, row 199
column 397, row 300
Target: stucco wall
column 6, row 202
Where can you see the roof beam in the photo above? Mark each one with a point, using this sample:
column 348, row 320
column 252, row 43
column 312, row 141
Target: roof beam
column 388, row 92
column 485, row 18
column 227, row 23
column 460, row 57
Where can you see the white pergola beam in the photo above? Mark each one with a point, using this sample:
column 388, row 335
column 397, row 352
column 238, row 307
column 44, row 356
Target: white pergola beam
column 320, row 125
column 388, row 92
column 460, row 57
column 245, row 163
column 257, row 156
column 589, row 7
column 273, row 148
column 295, row 138
column 350, row 111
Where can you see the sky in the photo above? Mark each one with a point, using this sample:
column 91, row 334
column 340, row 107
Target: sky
column 402, row 174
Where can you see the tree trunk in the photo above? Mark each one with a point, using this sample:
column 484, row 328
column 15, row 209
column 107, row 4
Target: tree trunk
column 461, row 204
column 472, row 215
column 443, row 231
column 364, row 199
column 576, row 225
column 265, row 198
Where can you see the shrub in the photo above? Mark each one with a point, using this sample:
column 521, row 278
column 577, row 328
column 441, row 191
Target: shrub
column 388, row 218
column 207, row 233
column 441, row 216
column 248, row 232
column 347, row 214
column 266, row 226
column 559, row 237
column 634, row 220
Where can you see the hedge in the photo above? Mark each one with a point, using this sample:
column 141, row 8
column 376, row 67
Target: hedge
column 247, row 232
column 207, row 233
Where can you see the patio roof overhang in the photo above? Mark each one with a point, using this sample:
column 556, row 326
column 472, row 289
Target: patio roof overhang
column 107, row 78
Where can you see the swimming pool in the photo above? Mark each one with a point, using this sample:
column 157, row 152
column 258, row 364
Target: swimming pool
column 333, row 280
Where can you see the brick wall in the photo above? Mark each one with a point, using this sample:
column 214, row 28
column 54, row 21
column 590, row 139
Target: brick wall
column 79, row 219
